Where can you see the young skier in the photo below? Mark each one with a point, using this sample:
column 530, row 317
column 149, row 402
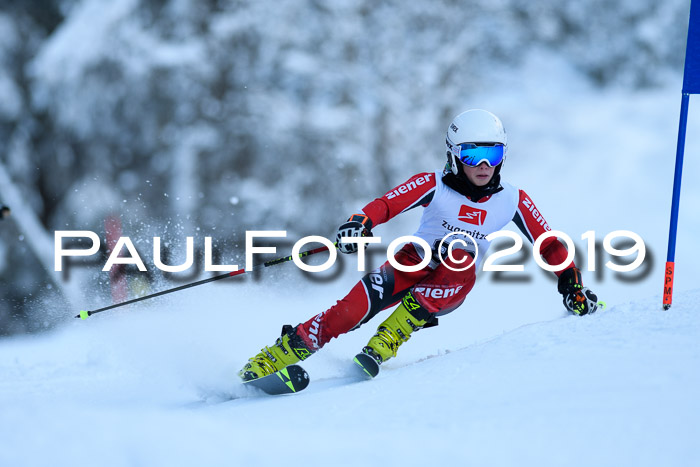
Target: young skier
column 467, row 196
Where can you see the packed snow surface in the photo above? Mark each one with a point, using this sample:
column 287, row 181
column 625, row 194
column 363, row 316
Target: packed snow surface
column 157, row 386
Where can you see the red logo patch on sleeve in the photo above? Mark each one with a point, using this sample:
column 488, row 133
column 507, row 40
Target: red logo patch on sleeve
column 471, row 215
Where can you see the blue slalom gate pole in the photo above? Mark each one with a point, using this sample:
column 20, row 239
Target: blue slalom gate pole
column 675, row 203
column 691, row 85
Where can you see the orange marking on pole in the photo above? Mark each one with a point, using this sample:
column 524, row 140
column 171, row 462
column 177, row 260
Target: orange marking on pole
column 668, row 283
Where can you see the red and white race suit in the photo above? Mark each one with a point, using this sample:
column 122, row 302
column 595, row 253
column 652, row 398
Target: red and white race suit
column 436, row 287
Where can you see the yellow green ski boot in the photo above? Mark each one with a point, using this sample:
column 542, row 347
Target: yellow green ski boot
column 396, row 330
column 288, row 349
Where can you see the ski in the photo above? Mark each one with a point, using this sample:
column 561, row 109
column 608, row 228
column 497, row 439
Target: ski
column 367, row 364
column 285, row 381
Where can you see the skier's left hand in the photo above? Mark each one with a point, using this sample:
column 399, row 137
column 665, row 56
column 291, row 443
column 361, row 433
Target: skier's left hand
column 578, row 299
column 582, row 302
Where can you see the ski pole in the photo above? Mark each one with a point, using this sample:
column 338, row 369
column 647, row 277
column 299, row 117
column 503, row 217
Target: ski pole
column 84, row 314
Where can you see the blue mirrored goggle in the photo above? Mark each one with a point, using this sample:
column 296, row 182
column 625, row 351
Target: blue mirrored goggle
column 472, row 155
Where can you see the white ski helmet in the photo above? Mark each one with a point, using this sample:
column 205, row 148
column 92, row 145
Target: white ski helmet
column 473, row 126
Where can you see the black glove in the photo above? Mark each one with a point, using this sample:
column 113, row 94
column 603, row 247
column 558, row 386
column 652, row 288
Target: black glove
column 578, row 299
column 359, row 225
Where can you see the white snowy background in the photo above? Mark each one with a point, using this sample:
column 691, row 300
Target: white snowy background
column 507, row 379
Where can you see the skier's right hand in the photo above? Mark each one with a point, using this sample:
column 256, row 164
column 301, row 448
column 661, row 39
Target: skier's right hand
column 358, row 225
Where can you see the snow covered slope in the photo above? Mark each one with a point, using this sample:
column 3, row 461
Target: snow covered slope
column 143, row 388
